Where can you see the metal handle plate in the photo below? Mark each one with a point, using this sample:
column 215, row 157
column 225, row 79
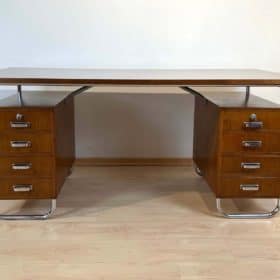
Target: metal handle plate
column 21, row 166
column 20, row 124
column 250, row 165
column 253, row 125
column 250, row 187
column 20, row 144
column 251, row 144
column 22, row 188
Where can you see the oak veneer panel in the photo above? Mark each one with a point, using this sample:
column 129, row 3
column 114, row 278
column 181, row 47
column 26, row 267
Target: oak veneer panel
column 232, row 142
column 64, row 140
column 41, row 143
column 235, row 100
column 206, row 139
column 52, row 144
column 38, row 119
column 33, row 101
column 218, row 150
column 41, row 188
column 234, row 119
column 179, row 77
column 40, row 166
column 270, row 166
column 229, row 187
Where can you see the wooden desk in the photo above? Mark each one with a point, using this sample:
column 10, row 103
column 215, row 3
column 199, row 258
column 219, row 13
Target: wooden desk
column 37, row 131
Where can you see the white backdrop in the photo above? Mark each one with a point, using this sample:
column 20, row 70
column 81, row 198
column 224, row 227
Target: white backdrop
column 139, row 34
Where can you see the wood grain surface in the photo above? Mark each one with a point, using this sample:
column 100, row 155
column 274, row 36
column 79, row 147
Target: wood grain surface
column 179, row 77
column 139, row 223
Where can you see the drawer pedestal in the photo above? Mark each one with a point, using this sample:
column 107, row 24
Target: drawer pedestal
column 37, row 147
column 237, row 147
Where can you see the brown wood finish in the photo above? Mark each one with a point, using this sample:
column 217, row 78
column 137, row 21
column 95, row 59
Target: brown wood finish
column 52, row 145
column 36, row 119
column 229, row 187
column 234, row 119
column 269, row 166
column 40, row 166
column 205, row 141
column 219, row 151
column 174, row 77
column 64, row 140
column 41, row 188
column 232, row 142
column 41, row 143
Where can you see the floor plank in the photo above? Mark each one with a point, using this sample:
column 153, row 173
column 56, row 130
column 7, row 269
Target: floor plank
column 138, row 223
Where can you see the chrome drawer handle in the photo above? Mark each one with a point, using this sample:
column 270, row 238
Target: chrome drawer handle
column 250, row 187
column 255, row 125
column 20, row 124
column 20, row 144
column 252, row 144
column 250, row 165
column 21, row 166
column 22, row 188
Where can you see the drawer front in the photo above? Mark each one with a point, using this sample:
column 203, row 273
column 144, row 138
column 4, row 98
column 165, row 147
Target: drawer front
column 240, row 187
column 26, row 120
column 251, row 120
column 26, row 143
column 26, row 166
column 251, row 166
column 238, row 141
column 26, row 188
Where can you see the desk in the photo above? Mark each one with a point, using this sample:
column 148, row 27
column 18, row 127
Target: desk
column 231, row 135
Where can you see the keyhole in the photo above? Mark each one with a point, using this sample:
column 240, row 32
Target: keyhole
column 19, row 117
column 253, row 117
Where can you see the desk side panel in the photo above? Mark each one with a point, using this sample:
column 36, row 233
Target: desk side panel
column 206, row 140
column 64, row 141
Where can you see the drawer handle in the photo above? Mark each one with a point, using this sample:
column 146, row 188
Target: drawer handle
column 250, row 165
column 20, row 124
column 250, row 187
column 22, row 188
column 253, row 125
column 251, row 144
column 21, row 166
column 20, row 144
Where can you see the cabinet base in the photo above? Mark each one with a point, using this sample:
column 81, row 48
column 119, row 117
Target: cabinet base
column 32, row 217
column 247, row 215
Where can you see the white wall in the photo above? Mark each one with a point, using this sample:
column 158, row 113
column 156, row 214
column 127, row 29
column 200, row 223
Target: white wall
column 139, row 34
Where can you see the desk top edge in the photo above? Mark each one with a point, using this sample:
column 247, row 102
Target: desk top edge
column 146, row 77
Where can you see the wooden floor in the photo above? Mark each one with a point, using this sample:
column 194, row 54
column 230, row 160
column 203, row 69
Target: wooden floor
column 138, row 223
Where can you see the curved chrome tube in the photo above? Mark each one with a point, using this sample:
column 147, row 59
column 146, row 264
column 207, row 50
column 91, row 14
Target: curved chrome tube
column 247, row 215
column 32, row 217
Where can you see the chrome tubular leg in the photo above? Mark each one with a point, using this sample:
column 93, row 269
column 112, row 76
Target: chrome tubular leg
column 198, row 171
column 247, row 215
column 32, row 217
column 247, row 95
column 19, row 92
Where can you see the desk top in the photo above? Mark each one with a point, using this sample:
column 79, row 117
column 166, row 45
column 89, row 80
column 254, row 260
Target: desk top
column 196, row 77
column 237, row 100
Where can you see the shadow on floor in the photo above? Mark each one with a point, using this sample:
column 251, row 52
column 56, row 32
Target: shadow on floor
column 100, row 188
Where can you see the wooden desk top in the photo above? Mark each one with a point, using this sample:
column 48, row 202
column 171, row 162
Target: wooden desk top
column 9, row 99
column 237, row 100
column 196, row 77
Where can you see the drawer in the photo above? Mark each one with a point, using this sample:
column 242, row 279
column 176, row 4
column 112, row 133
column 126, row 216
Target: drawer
column 251, row 166
column 26, row 188
column 239, row 187
column 26, row 166
column 254, row 142
column 26, row 143
column 26, row 120
column 244, row 119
